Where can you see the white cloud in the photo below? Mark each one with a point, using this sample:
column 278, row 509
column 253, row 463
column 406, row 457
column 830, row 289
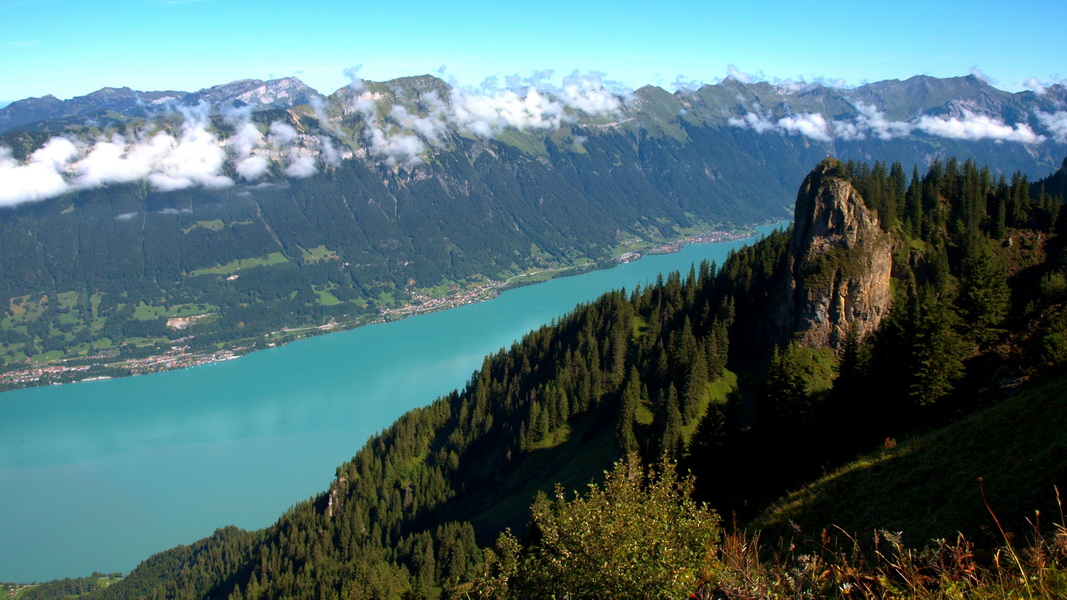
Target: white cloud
column 682, row 83
column 330, row 155
column 870, row 121
column 586, row 93
column 981, row 75
column 118, row 161
column 788, row 86
column 125, row 216
column 810, row 125
column 40, row 177
column 847, row 130
column 247, row 144
column 355, row 82
column 303, row 166
column 386, row 139
column 1056, row 123
column 487, row 114
column 253, row 167
column 319, row 108
column 196, row 158
column 431, row 127
column 398, row 148
column 733, row 72
column 977, row 127
column 758, row 121
column 873, row 120
column 1035, row 86
column 246, row 139
column 282, row 134
column 533, row 102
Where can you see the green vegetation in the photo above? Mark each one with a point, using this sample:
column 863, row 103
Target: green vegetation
column 326, row 298
column 212, row 225
column 144, row 312
column 274, row 258
column 317, row 254
column 1017, row 447
column 629, row 538
column 478, row 209
column 696, row 371
column 523, row 202
column 61, row 589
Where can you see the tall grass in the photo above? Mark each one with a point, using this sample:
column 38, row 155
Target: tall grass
column 835, row 566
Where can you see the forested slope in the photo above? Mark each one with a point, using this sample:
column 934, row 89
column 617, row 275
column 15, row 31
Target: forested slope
column 695, row 369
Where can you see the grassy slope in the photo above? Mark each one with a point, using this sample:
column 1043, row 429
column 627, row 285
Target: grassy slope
column 928, row 487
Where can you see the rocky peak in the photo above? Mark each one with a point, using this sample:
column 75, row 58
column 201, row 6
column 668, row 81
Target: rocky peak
column 276, row 93
column 840, row 263
column 29, row 110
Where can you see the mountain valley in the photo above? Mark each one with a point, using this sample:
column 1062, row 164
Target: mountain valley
column 260, row 212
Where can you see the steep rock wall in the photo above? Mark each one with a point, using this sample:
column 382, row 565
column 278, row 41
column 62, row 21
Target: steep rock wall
column 840, row 263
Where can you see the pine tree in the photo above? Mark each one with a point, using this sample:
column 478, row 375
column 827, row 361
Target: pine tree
column 984, row 297
column 938, row 352
column 672, row 444
column 631, row 398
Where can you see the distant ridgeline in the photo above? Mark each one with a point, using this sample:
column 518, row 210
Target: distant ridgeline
column 255, row 208
column 893, row 306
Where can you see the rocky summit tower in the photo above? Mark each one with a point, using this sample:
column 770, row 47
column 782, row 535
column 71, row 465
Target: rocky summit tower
column 840, row 263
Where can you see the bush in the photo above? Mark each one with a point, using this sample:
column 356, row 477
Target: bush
column 640, row 535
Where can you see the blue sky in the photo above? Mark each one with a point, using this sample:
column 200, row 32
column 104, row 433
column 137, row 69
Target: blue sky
column 73, row 47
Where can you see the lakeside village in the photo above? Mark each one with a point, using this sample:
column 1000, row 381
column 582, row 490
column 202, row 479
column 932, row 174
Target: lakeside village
column 179, row 357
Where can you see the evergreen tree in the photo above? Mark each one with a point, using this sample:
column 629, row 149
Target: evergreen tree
column 984, row 297
column 938, row 352
column 671, row 444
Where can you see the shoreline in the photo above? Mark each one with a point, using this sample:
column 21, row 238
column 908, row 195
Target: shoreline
column 177, row 357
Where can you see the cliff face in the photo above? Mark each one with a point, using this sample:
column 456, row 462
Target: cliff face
column 840, row 263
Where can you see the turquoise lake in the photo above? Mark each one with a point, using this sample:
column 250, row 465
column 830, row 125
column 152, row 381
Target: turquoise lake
column 97, row 476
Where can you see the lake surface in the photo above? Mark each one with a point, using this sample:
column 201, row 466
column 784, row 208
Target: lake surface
column 100, row 475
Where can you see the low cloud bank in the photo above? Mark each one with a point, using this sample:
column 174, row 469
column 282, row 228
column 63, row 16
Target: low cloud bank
column 402, row 134
column 1056, row 123
column 869, row 122
column 196, row 156
column 978, row 127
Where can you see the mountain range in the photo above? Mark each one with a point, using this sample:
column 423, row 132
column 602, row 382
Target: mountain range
column 278, row 93
column 253, row 208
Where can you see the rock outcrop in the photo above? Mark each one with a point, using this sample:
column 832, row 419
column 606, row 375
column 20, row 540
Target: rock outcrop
column 840, row 263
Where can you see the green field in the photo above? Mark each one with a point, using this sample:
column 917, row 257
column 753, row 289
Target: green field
column 145, row 312
column 213, row 225
column 274, row 258
column 325, row 298
column 317, row 254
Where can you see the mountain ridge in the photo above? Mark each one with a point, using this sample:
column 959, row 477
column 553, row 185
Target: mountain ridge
column 553, row 178
column 922, row 94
